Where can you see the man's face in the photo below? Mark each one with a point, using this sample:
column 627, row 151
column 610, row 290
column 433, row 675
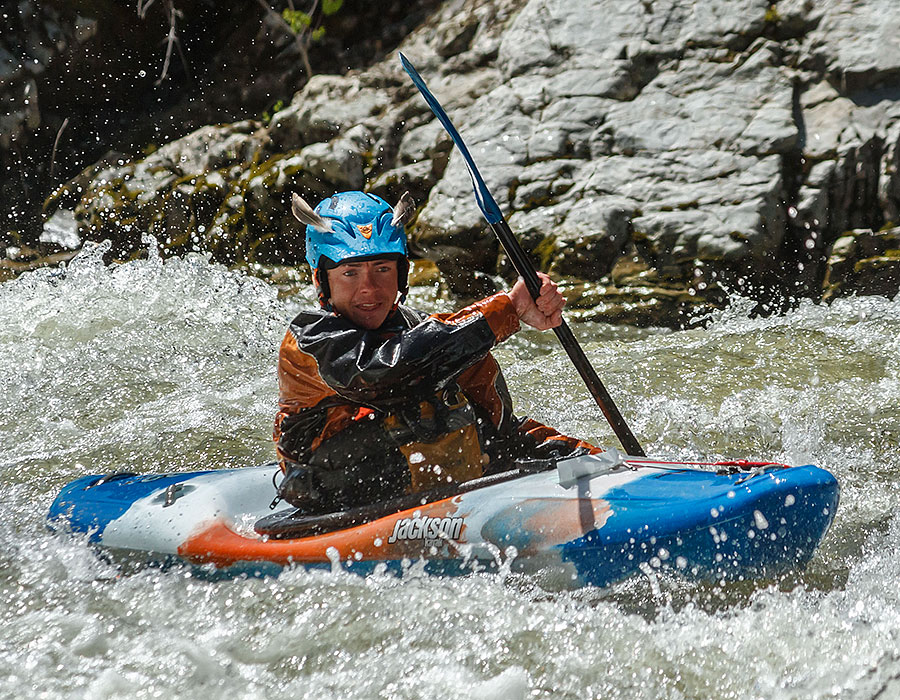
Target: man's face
column 364, row 292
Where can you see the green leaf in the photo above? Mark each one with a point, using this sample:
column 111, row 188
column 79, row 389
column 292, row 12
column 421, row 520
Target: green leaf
column 298, row 21
column 329, row 7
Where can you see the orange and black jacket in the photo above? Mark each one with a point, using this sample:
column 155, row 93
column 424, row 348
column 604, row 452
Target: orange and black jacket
column 338, row 382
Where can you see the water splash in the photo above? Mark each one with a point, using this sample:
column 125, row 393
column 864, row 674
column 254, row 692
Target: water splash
column 108, row 363
column 160, row 364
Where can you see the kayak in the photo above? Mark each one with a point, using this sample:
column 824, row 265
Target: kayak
column 594, row 519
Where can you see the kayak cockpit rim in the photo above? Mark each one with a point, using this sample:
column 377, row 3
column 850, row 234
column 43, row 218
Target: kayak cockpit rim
column 291, row 523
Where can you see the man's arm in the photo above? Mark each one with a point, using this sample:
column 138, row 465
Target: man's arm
column 376, row 367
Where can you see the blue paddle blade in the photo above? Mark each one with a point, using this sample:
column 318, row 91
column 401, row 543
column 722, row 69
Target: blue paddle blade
column 486, row 201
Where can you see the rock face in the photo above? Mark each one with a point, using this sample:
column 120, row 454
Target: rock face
column 91, row 80
column 864, row 262
column 655, row 154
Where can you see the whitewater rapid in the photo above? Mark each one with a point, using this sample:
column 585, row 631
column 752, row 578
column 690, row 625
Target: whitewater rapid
column 169, row 365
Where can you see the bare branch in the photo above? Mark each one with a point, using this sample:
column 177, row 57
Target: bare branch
column 170, row 41
column 55, row 144
column 143, row 6
column 302, row 41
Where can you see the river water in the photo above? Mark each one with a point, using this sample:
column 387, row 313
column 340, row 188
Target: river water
column 159, row 366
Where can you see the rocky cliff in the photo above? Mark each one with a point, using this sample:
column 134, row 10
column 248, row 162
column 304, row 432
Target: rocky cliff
column 656, row 155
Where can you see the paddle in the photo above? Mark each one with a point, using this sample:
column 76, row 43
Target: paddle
column 526, row 271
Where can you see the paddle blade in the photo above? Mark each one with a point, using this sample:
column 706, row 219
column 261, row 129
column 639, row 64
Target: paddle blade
column 486, row 201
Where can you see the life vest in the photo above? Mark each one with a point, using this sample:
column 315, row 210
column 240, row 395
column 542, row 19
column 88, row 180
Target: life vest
column 439, row 439
column 378, row 455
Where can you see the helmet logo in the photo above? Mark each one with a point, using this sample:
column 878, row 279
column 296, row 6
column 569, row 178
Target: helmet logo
column 366, row 230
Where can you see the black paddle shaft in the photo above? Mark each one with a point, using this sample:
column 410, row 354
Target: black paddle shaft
column 520, row 261
column 569, row 342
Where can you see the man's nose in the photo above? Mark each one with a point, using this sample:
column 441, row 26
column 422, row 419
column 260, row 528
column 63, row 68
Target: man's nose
column 367, row 280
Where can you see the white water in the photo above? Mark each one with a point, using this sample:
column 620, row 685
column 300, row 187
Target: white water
column 153, row 366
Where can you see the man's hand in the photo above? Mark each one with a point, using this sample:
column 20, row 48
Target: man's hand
column 546, row 311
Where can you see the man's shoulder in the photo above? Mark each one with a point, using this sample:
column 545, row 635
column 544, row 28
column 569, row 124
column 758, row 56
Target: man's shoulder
column 310, row 316
column 410, row 315
column 316, row 326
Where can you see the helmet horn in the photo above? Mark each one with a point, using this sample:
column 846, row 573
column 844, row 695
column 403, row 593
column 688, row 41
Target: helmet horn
column 306, row 215
column 403, row 210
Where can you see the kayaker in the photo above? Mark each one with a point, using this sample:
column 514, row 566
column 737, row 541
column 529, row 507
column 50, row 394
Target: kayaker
column 378, row 399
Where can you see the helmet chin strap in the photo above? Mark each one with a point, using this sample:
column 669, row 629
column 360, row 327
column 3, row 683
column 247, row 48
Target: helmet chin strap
column 402, row 279
column 320, row 283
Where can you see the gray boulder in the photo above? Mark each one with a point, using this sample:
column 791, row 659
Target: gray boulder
column 651, row 154
column 864, row 262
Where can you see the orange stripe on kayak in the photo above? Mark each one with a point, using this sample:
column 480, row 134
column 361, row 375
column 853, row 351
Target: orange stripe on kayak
column 219, row 544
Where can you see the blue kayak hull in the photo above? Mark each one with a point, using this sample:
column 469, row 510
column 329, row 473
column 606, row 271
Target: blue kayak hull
column 596, row 521
column 743, row 530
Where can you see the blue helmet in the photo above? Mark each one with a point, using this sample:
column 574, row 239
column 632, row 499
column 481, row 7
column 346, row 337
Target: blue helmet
column 354, row 226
